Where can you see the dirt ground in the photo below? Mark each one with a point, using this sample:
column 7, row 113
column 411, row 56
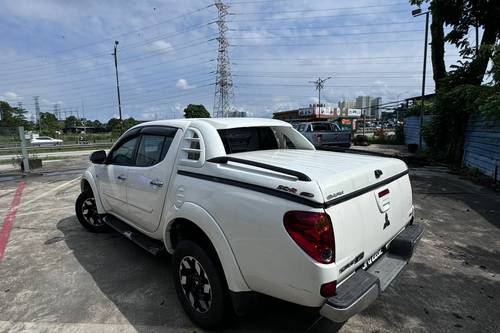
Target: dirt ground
column 57, row 277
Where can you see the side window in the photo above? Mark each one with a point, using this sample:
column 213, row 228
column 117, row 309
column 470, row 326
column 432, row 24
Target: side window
column 150, row 150
column 124, row 154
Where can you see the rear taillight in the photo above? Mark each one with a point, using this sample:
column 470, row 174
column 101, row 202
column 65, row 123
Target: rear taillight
column 313, row 233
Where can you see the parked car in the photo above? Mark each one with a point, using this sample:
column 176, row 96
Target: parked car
column 324, row 134
column 249, row 206
column 45, row 141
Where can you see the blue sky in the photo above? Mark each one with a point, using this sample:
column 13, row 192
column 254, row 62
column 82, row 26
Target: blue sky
column 61, row 51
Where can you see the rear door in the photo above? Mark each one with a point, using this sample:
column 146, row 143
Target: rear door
column 148, row 179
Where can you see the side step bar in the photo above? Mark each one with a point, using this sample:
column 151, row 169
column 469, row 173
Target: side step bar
column 153, row 246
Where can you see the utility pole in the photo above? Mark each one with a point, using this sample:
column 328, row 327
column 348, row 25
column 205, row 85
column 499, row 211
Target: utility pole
column 415, row 13
column 224, row 94
column 37, row 113
column 320, row 84
column 118, row 86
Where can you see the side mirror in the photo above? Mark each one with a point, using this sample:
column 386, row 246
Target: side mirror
column 98, row 157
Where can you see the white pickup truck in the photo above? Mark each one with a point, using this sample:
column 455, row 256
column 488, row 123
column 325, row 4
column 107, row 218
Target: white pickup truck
column 248, row 206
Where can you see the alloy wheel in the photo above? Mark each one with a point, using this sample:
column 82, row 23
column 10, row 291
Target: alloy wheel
column 195, row 284
column 89, row 212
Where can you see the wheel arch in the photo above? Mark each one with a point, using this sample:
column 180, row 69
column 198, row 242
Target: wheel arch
column 194, row 223
column 88, row 182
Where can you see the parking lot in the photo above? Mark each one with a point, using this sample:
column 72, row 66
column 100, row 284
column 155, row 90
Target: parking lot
column 55, row 276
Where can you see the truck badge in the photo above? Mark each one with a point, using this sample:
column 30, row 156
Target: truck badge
column 387, row 222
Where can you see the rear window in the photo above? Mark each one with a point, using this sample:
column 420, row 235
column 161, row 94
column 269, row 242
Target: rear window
column 244, row 139
column 317, row 127
column 238, row 140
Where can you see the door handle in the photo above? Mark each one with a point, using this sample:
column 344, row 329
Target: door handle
column 121, row 177
column 156, row 182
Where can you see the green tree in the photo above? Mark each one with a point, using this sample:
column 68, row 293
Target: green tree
column 49, row 123
column 129, row 122
column 71, row 121
column 113, row 124
column 115, row 127
column 96, row 124
column 461, row 92
column 196, row 111
column 12, row 116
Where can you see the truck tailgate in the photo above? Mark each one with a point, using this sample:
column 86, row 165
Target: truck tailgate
column 364, row 224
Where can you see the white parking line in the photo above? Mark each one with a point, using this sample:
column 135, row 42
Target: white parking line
column 45, row 211
column 55, row 189
column 13, row 326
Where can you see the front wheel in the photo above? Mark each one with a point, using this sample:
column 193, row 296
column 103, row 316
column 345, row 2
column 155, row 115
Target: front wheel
column 86, row 211
column 200, row 286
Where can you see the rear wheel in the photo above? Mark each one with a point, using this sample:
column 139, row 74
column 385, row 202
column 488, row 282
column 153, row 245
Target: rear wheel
column 86, row 211
column 199, row 286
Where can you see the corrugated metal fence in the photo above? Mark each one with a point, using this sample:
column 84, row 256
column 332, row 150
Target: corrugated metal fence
column 412, row 129
column 482, row 146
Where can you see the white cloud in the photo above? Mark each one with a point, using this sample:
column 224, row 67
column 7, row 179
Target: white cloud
column 11, row 96
column 159, row 46
column 183, row 84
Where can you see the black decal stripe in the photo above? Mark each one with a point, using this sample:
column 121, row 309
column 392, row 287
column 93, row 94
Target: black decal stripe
column 289, row 196
column 363, row 190
column 225, row 159
column 257, row 188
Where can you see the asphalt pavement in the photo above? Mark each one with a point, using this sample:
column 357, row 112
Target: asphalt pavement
column 57, row 277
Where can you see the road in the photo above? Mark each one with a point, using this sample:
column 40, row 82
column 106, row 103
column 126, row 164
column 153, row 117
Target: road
column 58, row 277
column 53, row 154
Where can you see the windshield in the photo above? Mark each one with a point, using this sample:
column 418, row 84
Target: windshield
column 244, row 139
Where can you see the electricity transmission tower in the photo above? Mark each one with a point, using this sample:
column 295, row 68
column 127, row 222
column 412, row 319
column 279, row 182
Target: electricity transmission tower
column 224, row 94
column 320, row 84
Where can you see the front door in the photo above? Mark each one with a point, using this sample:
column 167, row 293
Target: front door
column 148, row 179
column 112, row 176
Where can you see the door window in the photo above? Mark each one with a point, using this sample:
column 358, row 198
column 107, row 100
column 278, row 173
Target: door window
column 124, row 154
column 150, row 151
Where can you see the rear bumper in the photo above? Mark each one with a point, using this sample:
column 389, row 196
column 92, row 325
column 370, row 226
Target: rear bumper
column 363, row 287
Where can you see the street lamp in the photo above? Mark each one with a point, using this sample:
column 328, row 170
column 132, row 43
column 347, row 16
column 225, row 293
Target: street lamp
column 415, row 13
column 114, row 54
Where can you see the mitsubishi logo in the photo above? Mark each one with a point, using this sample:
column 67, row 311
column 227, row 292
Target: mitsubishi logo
column 378, row 173
column 387, row 222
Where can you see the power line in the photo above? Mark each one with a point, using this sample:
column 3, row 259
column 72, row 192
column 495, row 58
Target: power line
column 314, row 17
column 179, row 47
column 343, row 43
column 336, row 58
column 114, row 37
column 330, row 36
column 394, row 4
column 330, row 26
column 304, row 85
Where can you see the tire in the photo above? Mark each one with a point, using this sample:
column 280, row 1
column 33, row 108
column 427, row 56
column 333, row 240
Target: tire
column 200, row 286
column 86, row 212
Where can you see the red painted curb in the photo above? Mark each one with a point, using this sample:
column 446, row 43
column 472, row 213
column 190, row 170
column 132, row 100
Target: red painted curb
column 8, row 221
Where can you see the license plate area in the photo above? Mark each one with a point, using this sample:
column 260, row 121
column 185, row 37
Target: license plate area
column 373, row 258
